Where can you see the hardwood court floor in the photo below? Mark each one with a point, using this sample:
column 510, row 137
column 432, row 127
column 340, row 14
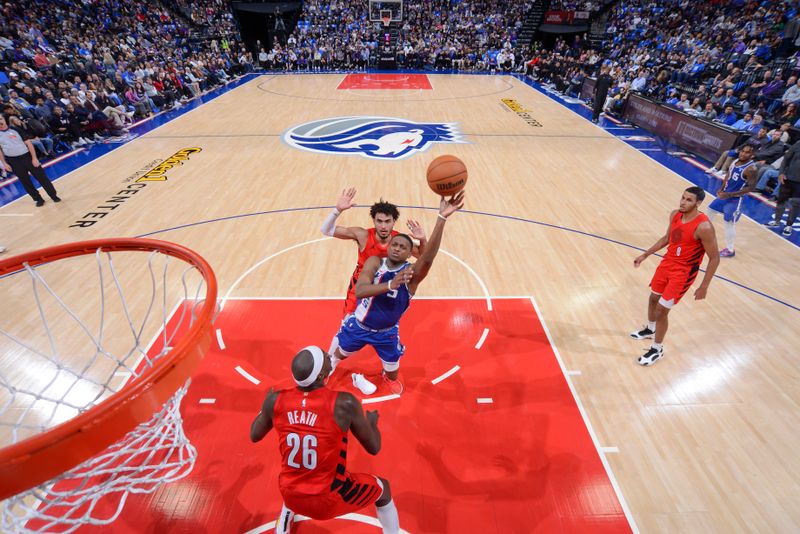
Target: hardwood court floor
column 706, row 439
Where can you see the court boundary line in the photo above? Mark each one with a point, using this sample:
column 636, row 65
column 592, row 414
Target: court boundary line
column 586, row 421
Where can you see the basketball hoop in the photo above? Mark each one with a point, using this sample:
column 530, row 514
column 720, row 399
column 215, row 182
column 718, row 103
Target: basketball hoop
column 79, row 425
column 386, row 20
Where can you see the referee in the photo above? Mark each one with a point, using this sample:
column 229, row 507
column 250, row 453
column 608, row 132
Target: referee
column 17, row 155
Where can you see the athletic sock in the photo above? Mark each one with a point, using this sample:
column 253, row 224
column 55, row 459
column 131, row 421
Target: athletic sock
column 730, row 234
column 651, row 325
column 657, row 346
column 387, row 515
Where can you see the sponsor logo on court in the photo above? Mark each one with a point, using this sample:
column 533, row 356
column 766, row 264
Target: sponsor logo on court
column 155, row 171
column 522, row 113
column 371, row 137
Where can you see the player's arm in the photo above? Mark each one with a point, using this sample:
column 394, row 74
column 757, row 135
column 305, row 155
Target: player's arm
column 750, row 176
column 330, row 228
column 425, row 261
column 658, row 245
column 262, row 424
column 366, row 287
column 350, row 416
column 417, row 232
column 721, row 194
column 706, row 234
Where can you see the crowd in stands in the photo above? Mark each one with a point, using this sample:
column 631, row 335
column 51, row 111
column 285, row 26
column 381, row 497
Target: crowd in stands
column 74, row 72
column 730, row 61
column 434, row 34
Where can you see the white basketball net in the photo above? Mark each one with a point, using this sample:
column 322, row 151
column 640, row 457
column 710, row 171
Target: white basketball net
column 62, row 353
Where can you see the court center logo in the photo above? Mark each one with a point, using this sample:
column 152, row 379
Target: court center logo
column 371, row 137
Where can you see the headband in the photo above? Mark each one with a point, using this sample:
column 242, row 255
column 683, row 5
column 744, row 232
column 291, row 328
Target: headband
column 319, row 359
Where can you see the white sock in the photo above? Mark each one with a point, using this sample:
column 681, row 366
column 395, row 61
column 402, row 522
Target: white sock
column 730, row 234
column 284, row 523
column 651, row 325
column 657, row 346
column 387, row 515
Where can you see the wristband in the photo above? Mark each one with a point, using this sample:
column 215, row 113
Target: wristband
column 442, row 217
column 336, row 212
column 389, row 285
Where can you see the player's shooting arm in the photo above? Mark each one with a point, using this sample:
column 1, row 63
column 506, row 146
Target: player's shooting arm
column 262, row 424
column 425, row 261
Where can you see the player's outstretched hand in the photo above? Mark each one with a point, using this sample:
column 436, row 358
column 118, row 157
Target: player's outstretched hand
column 700, row 293
column 372, row 418
column 346, row 201
column 449, row 207
column 416, row 229
column 639, row 259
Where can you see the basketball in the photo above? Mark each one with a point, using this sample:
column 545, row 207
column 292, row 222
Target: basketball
column 447, row 175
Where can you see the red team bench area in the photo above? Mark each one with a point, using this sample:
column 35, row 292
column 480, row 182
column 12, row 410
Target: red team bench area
column 385, row 81
column 498, row 446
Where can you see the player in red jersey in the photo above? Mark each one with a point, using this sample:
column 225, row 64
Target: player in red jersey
column 371, row 242
column 313, row 423
column 690, row 235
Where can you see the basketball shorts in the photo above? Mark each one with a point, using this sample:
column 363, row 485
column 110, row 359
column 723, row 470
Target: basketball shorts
column 672, row 281
column 353, row 337
column 349, row 493
column 727, row 207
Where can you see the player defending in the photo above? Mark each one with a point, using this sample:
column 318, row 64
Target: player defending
column 384, row 289
column 689, row 235
column 741, row 179
column 372, row 242
column 313, row 423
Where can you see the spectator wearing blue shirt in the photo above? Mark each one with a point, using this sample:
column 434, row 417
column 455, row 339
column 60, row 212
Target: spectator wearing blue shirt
column 743, row 123
column 727, row 117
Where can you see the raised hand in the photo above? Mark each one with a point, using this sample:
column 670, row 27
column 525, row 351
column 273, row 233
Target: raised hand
column 346, row 201
column 416, row 230
column 448, row 207
column 372, row 418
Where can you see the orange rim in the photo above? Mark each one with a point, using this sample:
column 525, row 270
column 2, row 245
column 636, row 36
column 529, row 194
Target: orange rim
column 40, row 458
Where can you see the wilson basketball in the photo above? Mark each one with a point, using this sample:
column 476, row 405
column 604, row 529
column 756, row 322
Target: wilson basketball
column 447, row 175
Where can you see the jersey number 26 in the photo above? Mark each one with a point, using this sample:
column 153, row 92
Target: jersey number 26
column 309, row 453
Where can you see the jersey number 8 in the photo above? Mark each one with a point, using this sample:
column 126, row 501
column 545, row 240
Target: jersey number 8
column 309, row 454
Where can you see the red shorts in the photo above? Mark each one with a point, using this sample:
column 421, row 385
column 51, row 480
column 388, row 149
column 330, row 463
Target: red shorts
column 348, row 494
column 672, row 281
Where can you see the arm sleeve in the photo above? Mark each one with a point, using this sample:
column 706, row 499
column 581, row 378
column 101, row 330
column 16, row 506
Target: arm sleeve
column 329, row 226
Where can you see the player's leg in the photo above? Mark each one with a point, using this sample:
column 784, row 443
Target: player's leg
column 387, row 511
column 649, row 330
column 349, row 339
column 656, row 350
column 678, row 282
column 729, row 216
column 657, row 285
column 390, row 349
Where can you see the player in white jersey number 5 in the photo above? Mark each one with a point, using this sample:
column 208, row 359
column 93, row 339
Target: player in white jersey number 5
column 383, row 292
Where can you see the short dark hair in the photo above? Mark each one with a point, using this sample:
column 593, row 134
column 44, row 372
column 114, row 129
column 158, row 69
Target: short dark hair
column 698, row 192
column 406, row 236
column 387, row 208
